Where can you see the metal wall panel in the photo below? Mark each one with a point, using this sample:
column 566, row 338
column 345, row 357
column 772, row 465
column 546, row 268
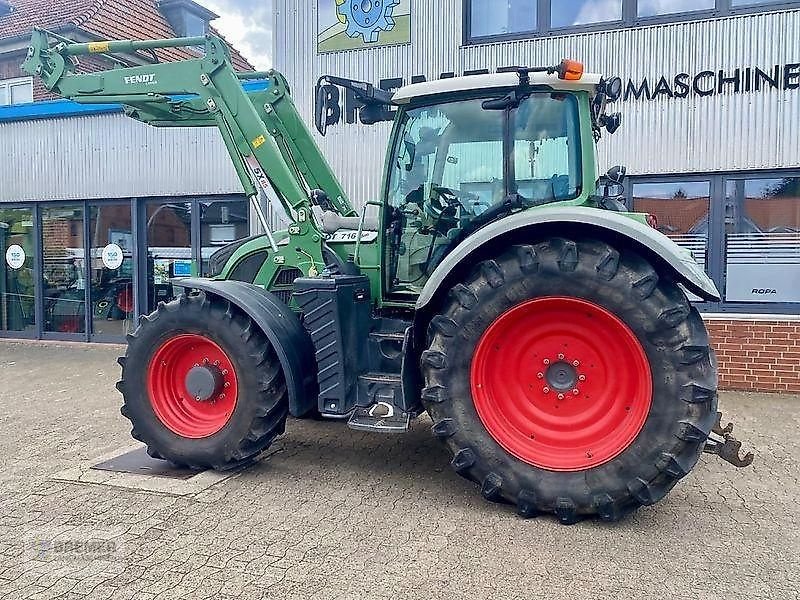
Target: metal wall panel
column 725, row 132
column 110, row 156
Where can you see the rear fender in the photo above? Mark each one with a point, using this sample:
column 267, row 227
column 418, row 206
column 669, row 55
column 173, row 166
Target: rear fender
column 593, row 221
column 283, row 329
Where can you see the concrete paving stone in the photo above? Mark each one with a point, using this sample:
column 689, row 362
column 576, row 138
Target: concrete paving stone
column 335, row 514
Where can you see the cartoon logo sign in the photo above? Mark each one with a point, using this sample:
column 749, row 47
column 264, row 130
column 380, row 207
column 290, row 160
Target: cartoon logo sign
column 355, row 24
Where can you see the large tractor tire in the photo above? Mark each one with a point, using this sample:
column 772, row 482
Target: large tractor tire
column 202, row 385
column 570, row 378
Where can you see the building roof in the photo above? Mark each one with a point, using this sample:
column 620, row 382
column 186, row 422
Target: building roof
column 103, row 19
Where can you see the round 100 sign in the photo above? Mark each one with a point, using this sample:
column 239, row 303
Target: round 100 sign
column 15, row 256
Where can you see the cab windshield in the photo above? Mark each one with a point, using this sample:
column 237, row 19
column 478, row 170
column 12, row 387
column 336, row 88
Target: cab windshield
column 458, row 165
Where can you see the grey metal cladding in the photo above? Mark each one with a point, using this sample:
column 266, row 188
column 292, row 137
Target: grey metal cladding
column 721, row 132
column 111, row 156
column 688, row 272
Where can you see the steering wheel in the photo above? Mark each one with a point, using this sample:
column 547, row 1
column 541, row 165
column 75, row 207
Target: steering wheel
column 442, row 198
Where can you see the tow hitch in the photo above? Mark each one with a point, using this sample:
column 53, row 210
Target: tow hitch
column 722, row 443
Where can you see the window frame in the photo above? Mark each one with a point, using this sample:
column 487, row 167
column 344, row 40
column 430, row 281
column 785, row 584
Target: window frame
column 630, row 19
column 14, row 81
column 716, row 259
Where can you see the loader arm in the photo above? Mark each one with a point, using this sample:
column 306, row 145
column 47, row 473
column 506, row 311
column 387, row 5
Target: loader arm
column 266, row 138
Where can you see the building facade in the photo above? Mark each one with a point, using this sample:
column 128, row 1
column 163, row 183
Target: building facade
column 98, row 211
column 711, row 109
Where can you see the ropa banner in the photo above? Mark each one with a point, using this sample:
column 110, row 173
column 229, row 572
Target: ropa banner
column 742, row 80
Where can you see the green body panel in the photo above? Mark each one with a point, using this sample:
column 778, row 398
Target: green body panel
column 270, row 146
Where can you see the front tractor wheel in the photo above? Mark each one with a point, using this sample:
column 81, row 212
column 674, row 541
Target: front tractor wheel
column 202, row 386
column 569, row 378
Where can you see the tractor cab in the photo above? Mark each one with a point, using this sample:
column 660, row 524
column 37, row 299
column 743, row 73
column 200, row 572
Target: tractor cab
column 470, row 150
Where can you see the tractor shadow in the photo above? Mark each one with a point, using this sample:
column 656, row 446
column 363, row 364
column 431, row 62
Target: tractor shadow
column 329, row 450
column 329, row 453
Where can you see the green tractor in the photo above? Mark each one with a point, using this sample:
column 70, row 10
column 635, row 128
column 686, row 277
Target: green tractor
column 502, row 287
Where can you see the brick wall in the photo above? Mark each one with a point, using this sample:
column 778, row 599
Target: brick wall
column 757, row 355
column 10, row 69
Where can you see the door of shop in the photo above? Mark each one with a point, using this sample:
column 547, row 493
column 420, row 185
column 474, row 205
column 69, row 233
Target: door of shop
column 17, row 283
column 112, row 277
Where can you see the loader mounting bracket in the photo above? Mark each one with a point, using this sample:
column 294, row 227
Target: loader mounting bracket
column 722, row 443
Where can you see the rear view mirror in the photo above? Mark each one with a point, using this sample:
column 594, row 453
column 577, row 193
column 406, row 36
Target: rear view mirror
column 326, row 107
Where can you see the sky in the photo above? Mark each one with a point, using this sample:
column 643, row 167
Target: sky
column 247, row 25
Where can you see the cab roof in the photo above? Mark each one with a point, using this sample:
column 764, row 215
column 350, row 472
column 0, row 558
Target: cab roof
column 588, row 82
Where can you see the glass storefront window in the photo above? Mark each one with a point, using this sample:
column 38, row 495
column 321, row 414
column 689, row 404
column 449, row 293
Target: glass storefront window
column 169, row 249
column 16, row 270
column 111, row 268
column 518, row 18
column 221, row 222
column 489, row 17
column 653, row 8
column 64, row 266
column 568, row 13
column 762, row 229
column 682, row 210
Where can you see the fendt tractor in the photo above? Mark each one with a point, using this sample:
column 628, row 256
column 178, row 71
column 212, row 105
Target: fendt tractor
column 503, row 287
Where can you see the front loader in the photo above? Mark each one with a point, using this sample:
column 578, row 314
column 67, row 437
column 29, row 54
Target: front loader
column 503, row 287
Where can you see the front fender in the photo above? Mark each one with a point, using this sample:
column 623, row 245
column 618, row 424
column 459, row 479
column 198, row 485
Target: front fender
column 283, row 330
column 641, row 237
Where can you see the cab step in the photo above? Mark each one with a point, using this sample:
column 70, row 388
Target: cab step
column 374, row 388
column 379, row 418
column 379, row 395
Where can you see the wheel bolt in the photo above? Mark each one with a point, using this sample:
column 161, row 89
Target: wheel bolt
column 197, row 398
column 224, row 371
column 546, row 361
column 222, row 396
column 540, row 375
column 561, row 396
column 560, row 357
column 196, row 364
column 581, row 377
column 228, row 384
column 589, row 455
column 216, row 363
column 546, row 390
column 575, row 392
column 205, row 361
column 575, row 363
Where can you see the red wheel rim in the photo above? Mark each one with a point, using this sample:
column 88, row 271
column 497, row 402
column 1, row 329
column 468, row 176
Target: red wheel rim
column 561, row 383
column 182, row 413
column 125, row 300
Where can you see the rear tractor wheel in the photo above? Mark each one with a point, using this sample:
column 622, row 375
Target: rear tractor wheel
column 202, row 385
column 569, row 378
